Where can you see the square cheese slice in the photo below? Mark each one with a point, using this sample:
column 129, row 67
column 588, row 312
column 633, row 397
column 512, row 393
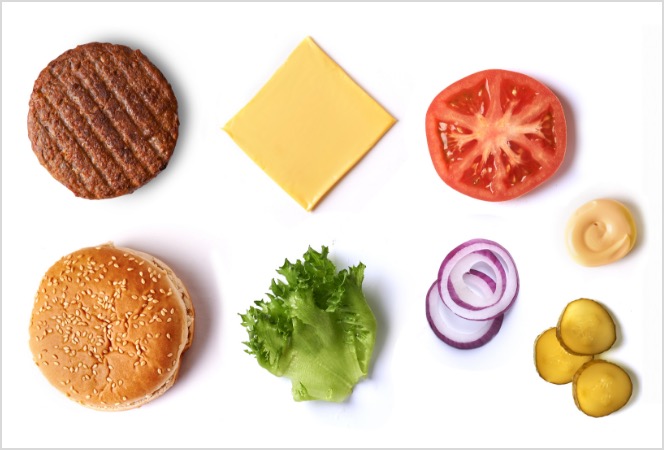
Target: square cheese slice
column 309, row 125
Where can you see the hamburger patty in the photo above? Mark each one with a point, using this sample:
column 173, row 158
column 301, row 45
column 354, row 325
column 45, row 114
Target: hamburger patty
column 103, row 120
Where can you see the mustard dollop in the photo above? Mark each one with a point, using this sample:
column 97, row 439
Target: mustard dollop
column 600, row 232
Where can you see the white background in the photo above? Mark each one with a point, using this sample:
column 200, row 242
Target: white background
column 225, row 227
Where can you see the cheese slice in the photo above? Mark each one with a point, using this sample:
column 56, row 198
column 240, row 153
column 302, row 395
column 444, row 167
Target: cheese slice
column 309, row 125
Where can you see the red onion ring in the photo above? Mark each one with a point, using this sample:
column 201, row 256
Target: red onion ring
column 455, row 331
column 480, row 282
column 462, row 293
column 492, row 261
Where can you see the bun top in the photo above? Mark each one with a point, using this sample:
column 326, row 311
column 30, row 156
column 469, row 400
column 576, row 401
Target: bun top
column 109, row 326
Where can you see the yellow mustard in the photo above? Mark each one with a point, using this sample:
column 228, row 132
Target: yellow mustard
column 600, row 232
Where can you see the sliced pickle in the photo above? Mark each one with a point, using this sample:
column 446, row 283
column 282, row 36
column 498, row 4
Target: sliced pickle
column 601, row 388
column 586, row 328
column 555, row 364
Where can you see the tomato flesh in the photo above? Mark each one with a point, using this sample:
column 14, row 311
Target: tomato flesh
column 496, row 135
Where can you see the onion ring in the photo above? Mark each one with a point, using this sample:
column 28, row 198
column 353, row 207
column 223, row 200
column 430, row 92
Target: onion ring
column 464, row 264
column 455, row 331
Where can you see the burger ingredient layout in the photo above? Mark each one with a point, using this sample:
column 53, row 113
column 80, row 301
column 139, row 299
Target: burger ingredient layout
column 316, row 329
column 309, row 125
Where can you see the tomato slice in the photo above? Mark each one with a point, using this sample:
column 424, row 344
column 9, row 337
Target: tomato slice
column 496, row 135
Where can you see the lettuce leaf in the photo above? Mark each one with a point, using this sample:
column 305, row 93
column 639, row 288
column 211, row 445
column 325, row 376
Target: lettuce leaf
column 316, row 328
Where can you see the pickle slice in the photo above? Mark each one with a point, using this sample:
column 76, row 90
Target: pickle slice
column 601, row 388
column 586, row 328
column 555, row 364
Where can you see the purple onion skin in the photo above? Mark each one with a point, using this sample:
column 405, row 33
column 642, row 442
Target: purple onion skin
column 489, row 243
column 496, row 263
column 484, row 339
column 487, row 279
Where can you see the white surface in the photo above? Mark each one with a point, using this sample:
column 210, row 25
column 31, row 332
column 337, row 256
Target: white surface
column 225, row 227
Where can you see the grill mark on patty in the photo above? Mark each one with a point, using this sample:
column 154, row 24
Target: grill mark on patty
column 118, row 123
column 136, row 109
column 166, row 108
column 103, row 157
column 75, row 153
column 122, row 103
column 160, row 101
column 56, row 158
column 103, row 120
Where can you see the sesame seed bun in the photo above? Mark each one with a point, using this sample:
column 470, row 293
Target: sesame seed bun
column 109, row 326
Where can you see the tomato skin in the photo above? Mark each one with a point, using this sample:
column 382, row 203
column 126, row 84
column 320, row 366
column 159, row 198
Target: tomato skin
column 496, row 135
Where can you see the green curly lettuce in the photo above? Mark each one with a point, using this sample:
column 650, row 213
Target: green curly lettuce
column 316, row 329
